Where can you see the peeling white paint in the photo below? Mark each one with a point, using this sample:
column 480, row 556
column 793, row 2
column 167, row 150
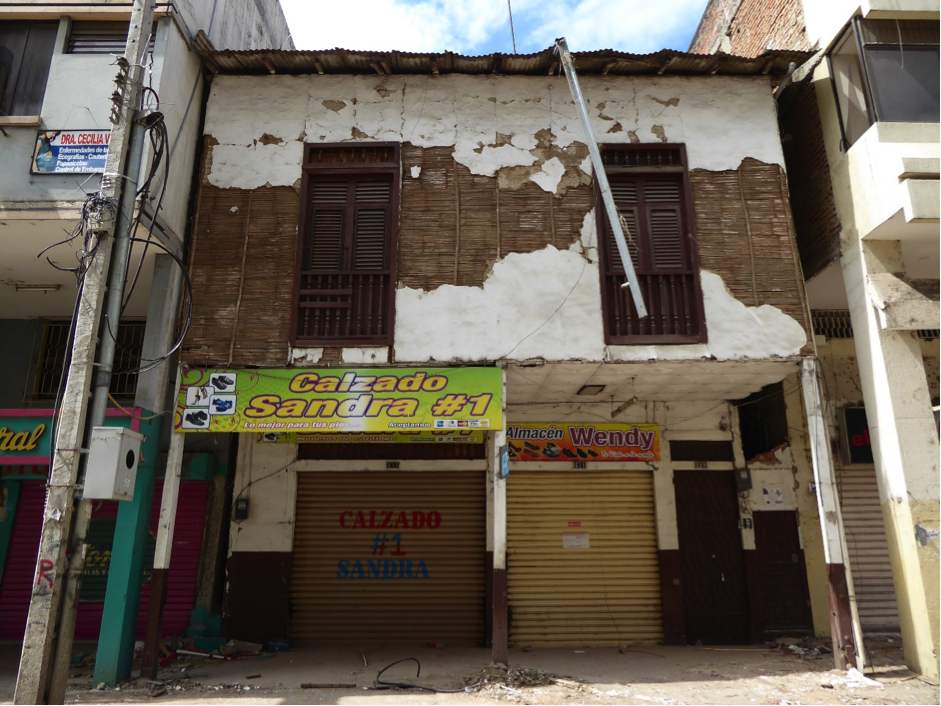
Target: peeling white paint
column 721, row 119
column 302, row 356
column 366, row 356
column 547, row 304
column 587, row 243
column 252, row 166
column 415, row 172
column 550, row 175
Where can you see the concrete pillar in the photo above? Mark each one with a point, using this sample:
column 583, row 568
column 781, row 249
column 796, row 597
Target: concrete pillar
column 498, row 460
column 905, row 449
column 122, row 599
column 844, row 620
column 126, row 572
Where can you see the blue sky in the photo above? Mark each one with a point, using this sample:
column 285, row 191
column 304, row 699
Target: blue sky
column 482, row 26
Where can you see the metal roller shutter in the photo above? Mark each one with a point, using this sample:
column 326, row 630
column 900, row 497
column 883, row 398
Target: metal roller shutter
column 16, row 582
column 607, row 594
column 346, row 581
column 868, row 550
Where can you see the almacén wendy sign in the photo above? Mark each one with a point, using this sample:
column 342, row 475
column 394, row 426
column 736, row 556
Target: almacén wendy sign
column 331, row 400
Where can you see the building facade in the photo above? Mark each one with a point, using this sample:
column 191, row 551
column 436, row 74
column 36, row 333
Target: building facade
column 398, row 222
column 58, row 67
column 860, row 131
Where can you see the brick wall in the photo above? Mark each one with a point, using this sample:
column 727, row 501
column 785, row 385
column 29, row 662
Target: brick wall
column 752, row 27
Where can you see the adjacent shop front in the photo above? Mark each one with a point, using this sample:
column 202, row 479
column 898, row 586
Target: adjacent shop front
column 360, row 503
column 25, row 441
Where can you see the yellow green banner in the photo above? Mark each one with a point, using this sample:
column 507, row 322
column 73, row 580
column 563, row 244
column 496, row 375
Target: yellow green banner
column 328, row 400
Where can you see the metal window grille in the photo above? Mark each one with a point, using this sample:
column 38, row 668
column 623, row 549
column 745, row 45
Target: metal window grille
column 832, row 323
column 55, row 349
column 836, row 323
column 102, row 38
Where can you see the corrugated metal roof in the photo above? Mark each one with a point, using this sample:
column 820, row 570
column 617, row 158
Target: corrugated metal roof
column 603, row 61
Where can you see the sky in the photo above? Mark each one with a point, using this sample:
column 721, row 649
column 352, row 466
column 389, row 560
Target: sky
column 483, row 26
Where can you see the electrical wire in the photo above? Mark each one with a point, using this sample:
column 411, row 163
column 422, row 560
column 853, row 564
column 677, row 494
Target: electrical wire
column 407, row 685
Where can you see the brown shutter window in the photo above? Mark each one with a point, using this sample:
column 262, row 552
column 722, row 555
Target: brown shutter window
column 651, row 191
column 346, row 258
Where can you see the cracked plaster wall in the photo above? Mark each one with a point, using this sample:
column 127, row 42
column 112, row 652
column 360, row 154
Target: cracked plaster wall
column 547, row 304
column 493, row 123
column 517, row 129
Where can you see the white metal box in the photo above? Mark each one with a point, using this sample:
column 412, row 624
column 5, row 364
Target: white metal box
column 112, row 464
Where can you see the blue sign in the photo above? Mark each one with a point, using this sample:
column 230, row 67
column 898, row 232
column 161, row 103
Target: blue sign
column 71, row 152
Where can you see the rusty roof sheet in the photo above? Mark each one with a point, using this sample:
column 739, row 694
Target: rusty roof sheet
column 545, row 62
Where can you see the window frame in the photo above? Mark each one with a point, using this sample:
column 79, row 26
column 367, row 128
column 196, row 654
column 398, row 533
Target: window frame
column 46, row 366
column 36, row 99
column 311, row 170
column 691, row 250
column 853, row 33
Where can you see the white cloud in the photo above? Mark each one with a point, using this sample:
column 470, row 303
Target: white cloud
column 482, row 26
column 634, row 26
column 382, row 25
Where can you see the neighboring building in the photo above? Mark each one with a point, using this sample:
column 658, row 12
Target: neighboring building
column 369, row 220
column 860, row 134
column 57, row 71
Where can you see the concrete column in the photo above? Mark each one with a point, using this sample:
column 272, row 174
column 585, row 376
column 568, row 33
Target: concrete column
column 808, row 517
column 844, row 622
column 500, row 613
column 905, row 449
column 126, row 572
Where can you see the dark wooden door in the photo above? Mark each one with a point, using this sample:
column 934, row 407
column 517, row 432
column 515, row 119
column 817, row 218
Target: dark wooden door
column 715, row 597
column 782, row 576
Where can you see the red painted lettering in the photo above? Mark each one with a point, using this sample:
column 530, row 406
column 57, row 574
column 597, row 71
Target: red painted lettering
column 360, row 520
column 343, row 518
column 434, row 519
column 45, row 567
column 402, row 520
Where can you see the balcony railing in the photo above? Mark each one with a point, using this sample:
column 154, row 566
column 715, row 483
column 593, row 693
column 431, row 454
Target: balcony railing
column 345, row 308
column 672, row 302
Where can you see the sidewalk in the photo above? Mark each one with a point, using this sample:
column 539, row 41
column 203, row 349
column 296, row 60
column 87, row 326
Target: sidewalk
column 641, row 675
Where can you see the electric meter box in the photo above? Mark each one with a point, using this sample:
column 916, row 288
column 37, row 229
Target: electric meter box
column 113, row 455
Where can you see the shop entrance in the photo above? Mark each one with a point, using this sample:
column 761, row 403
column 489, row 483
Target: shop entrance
column 715, row 597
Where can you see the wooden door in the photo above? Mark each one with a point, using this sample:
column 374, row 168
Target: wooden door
column 782, row 577
column 715, row 597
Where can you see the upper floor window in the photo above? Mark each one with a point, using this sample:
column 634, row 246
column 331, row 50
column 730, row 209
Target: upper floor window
column 885, row 70
column 103, row 38
column 650, row 185
column 54, row 349
column 345, row 277
column 25, row 53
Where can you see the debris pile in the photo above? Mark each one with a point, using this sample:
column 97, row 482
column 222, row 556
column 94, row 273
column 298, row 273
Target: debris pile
column 497, row 681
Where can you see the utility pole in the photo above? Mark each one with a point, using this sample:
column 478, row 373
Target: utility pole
column 34, row 683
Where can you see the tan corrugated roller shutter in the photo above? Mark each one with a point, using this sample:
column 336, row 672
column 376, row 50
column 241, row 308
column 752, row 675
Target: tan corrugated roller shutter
column 425, row 584
column 607, row 594
column 868, row 550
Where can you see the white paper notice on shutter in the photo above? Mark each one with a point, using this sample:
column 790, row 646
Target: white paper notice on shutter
column 575, row 540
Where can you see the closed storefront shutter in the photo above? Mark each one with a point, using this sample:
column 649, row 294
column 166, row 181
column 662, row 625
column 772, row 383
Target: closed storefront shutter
column 868, row 550
column 388, row 557
column 20, row 566
column 17, row 579
column 582, row 563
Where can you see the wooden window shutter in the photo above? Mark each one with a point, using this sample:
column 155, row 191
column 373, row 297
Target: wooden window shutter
column 346, row 263
column 651, row 191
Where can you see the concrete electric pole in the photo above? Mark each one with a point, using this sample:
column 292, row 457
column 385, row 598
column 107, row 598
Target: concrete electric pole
column 35, row 683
